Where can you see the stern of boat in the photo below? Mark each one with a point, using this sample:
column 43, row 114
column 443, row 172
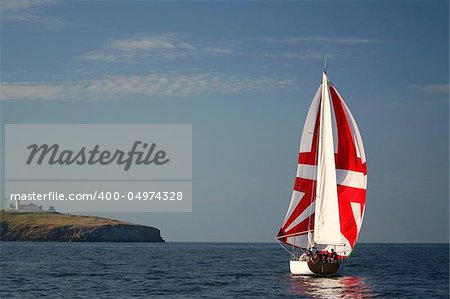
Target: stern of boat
column 311, row 268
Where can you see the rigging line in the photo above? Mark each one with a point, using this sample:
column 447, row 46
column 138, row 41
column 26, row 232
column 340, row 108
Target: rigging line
column 293, row 234
column 325, row 68
column 278, row 241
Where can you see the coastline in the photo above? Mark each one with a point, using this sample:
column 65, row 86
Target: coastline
column 56, row 227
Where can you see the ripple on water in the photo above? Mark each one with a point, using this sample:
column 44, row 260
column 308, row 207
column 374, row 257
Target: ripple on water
column 205, row 270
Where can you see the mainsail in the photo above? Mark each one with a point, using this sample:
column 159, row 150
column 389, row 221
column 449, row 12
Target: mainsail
column 328, row 198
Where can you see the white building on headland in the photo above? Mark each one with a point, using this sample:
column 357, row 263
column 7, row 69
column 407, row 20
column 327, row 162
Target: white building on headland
column 28, row 207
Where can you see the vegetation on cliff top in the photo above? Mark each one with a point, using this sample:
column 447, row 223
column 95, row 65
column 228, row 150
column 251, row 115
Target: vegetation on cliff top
column 54, row 219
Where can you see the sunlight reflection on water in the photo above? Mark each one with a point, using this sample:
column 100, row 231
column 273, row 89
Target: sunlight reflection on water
column 330, row 287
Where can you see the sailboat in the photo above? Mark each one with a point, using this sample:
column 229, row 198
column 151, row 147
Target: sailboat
column 327, row 206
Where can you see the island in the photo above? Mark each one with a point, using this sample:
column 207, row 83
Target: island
column 58, row 227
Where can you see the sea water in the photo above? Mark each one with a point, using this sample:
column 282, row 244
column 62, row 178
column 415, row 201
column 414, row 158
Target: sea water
column 215, row 270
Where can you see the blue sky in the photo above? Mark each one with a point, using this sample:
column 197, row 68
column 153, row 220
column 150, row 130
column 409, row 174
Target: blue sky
column 243, row 73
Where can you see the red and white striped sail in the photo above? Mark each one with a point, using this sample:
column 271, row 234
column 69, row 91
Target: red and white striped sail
column 328, row 200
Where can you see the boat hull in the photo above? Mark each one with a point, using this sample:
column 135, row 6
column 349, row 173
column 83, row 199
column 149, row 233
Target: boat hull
column 310, row 268
column 300, row 268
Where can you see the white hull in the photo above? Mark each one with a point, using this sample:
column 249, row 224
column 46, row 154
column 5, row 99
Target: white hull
column 300, row 268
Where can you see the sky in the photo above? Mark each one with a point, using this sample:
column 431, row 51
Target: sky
column 243, row 74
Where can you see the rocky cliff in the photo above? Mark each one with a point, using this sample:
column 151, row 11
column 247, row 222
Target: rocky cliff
column 56, row 227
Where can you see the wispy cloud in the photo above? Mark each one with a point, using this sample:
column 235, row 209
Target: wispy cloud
column 168, row 46
column 317, row 39
column 299, row 55
column 405, row 103
column 431, row 88
column 175, row 46
column 28, row 11
column 150, row 85
column 218, row 50
column 416, row 103
column 26, row 90
column 147, row 43
column 20, row 5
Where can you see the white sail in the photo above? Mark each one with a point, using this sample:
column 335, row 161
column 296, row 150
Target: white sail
column 326, row 221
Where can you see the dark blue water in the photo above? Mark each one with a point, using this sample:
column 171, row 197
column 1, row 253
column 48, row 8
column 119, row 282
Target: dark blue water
column 214, row 270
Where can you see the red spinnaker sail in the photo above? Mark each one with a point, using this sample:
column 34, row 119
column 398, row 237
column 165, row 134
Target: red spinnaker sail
column 351, row 175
